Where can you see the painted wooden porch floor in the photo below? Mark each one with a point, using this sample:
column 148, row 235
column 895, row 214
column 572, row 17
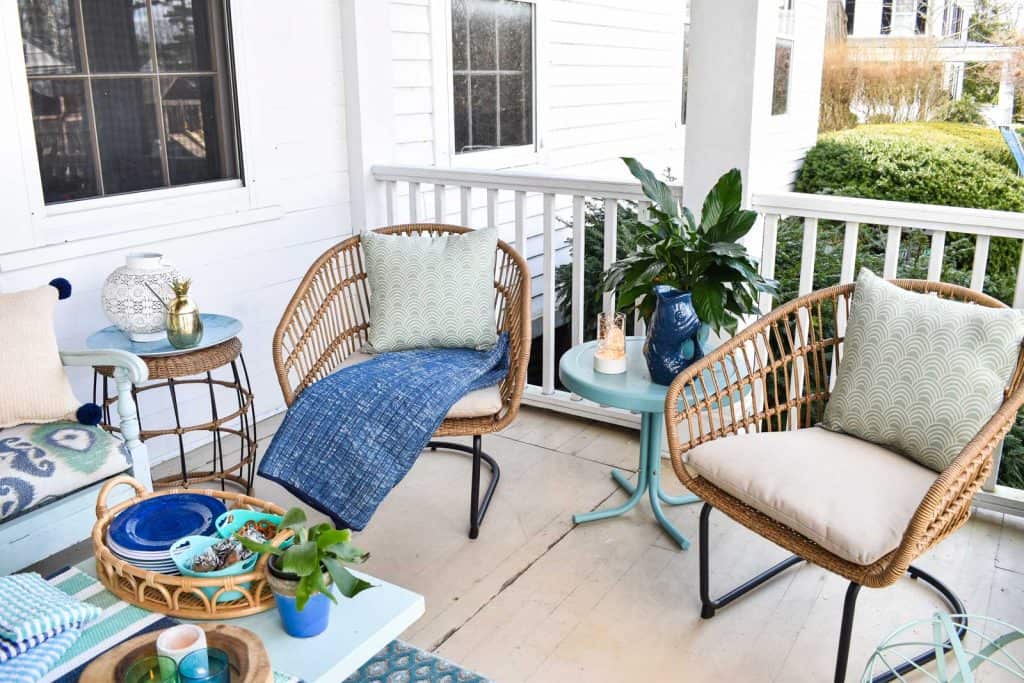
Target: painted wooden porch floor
column 537, row 599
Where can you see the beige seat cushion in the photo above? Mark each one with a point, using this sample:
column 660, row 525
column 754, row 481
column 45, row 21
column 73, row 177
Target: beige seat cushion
column 851, row 497
column 479, row 403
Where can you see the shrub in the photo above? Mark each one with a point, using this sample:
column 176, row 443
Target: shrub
column 921, row 163
column 964, row 110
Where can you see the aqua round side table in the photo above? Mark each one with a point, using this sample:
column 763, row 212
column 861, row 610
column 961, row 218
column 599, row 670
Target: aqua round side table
column 632, row 390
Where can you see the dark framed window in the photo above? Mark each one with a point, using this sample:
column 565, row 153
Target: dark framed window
column 921, row 20
column 780, row 84
column 129, row 95
column 492, row 74
column 886, row 17
column 851, row 11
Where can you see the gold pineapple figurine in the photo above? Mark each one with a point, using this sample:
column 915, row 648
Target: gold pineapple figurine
column 184, row 326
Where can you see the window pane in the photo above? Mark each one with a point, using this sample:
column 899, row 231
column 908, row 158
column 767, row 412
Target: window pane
column 62, row 139
column 117, row 36
column 461, row 90
column 483, row 112
column 183, row 35
column 127, row 130
column 482, row 37
column 516, row 115
column 460, row 46
column 194, row 151
column 515, row 35
column 50, row 37
column 780, row 89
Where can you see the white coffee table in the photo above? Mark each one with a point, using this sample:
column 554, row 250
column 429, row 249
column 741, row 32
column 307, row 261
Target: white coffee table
column 359, row 628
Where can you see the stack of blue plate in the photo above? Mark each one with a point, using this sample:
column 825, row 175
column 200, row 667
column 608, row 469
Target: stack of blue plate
column 143, row 534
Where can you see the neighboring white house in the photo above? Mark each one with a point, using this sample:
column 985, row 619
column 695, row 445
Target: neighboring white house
column 883, row 29
column 239, row 138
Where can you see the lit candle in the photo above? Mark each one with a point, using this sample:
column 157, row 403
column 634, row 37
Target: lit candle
column 610, row 356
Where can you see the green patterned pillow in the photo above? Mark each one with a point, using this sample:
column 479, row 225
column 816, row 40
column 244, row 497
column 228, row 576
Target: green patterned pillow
column 921, row 375
column 431, row 290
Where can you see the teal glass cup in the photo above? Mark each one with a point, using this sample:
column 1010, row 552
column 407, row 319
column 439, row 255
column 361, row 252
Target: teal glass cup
column 205, row 666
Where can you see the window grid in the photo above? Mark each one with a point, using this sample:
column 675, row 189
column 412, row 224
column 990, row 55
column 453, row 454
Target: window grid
column 497, row 72
column 154, row 76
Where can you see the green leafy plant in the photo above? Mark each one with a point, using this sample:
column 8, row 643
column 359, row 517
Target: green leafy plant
column 316, row 549
column 703, row 258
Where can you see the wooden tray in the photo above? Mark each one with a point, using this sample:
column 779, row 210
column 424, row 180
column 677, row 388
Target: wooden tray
column 179, row 596
column 249, row 660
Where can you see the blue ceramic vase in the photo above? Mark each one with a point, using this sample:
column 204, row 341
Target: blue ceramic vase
column 675, row 336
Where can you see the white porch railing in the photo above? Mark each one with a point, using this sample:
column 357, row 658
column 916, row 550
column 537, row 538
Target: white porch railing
column 490, row 191
column 421, row 194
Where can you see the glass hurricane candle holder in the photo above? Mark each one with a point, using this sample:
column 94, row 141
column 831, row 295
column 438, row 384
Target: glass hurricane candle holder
column 152, row 670
column 610, row 357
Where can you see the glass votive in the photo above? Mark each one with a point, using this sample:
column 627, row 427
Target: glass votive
column 610, row 356
column 153, row 669
column 205, row 666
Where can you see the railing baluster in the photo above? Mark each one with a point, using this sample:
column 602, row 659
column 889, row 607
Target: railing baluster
column 848, row 270
column 465, row 205
column 578, row 258
column 414, row 202
column 492, row 207
column 807, row 255
column 389, row 201
column 611, row 229
column 980, row 262
column 769, row 243
column 440, row 215
column 935, row 256
column 1018, row 291
column 520, row 211
column 892, row 251
column 548, row 342
column 643, row 211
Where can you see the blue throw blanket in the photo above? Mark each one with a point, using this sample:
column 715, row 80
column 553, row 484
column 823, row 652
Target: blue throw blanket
column 351, row 437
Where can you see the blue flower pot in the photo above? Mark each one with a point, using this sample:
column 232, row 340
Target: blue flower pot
column 675, row 337
column 312, row 620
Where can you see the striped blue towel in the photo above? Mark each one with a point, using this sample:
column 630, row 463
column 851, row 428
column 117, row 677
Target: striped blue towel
column 10, row 648
column 37, row 662
column 31, row 608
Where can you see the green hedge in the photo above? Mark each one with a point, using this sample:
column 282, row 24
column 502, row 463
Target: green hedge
column 928, row 163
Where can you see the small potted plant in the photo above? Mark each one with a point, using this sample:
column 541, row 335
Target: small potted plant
column 687, row 277
column 301, row 574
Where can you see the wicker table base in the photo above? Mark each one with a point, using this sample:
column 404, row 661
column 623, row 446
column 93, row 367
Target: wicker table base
column 191, row 369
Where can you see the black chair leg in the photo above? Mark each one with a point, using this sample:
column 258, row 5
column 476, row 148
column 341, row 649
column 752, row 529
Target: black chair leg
column 477, row 504
column 708, row 605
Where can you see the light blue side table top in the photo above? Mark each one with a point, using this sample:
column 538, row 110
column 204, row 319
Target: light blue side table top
column 631, row 390
column 216, row 329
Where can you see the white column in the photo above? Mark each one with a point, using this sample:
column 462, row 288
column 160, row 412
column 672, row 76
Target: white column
column 1004, row 106
column 369, row 105
column 729, row 103
column 867, row 19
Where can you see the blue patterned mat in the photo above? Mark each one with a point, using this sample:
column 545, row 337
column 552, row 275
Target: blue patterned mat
column 402, row 663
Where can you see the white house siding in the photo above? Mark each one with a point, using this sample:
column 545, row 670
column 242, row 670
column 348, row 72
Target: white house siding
column 245, row 260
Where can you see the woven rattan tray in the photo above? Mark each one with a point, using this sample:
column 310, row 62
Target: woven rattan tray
column 178, row 596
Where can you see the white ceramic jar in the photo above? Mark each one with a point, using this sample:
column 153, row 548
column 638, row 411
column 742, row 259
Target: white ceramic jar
column 131, row 304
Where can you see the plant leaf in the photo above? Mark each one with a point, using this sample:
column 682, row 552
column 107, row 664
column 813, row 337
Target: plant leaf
column 258, row 547
column 320, row 587
column 301, row 558
column 348, row 585
column 332, row 536
column 709, row 304
column 347, row 553
column 293, row 519
column 655, row 190
column 732, row 226
column 724, row 198
column 727, row 249
column 303, row 591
